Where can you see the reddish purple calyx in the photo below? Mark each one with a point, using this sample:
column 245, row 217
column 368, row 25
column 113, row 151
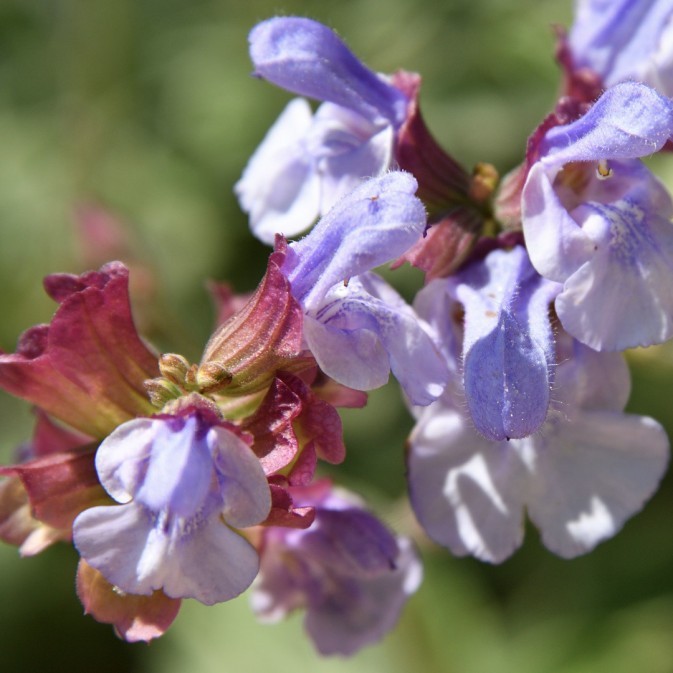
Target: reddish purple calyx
column 262, row 338
column 135, row 618
column 88, row 366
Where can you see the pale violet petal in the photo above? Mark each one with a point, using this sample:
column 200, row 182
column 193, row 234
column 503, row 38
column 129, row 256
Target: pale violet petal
column 366, row 611
column 309, row 59
column 344, row 172
column 211, row 563
column 629, row 120
column 372, row 225
column 242, row 482
column 508, row 359
column 112, row 540
column 590, row 380
column 139, row 553
column 179, row 471
column 468, row 493
column 622, row 297
column 122, row 458
column 382, row 334
column 443, row 315
column 356, row 359
column 592, row 475
column 625, row 40
column 555, row 242
column 280, row 188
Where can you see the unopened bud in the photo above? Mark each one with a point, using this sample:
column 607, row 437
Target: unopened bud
column 161, row 391
column 174, row 367
column 212, row 376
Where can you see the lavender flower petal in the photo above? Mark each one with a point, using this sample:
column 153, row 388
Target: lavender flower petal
column 508, row 353
column 365, row 330
column 307, row 58
column 371, row 226
column 592, row 213
column 280, row 188
column 184, row 483
column 625, row 40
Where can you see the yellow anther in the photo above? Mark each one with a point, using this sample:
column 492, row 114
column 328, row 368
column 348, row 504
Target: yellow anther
column 603, row 171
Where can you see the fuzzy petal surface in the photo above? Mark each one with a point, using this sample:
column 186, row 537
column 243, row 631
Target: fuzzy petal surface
column 371, row 226
column 309, row 59
column 508, row 353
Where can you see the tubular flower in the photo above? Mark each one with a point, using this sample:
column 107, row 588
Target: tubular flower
column 185, row 484
column 346, row 570
column 308, row 162
column 587, row 470
column 356, row 326
column 597, row 221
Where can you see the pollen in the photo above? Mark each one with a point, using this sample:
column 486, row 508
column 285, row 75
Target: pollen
column 603, row 170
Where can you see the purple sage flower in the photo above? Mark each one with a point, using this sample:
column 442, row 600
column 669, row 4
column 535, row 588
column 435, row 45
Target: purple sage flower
column 625, row 40
column 184, row 484
column 587, row 470
column 357, row 327
column 597, row 221
column 307, row 162
column 346, row 570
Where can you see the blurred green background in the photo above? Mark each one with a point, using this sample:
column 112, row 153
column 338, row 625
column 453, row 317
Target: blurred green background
column 145, row 108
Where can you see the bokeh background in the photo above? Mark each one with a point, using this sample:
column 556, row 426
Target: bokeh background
column 143, row 112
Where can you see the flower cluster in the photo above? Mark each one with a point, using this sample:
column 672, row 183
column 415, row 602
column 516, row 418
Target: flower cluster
column 177, row 480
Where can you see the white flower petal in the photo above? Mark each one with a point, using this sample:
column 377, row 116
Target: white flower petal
column 466, row 491
column 279, row 187
column 592, row 475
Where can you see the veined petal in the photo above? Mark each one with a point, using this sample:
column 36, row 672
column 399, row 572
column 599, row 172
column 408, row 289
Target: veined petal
column 621, row 297
column 364, row 330
column 629, row 120
column 179, row 470
column 185, row 480
column 307, row 58
column 601, row 226
column 205, row 560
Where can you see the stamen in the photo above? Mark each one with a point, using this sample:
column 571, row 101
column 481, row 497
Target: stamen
column 603, row 170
